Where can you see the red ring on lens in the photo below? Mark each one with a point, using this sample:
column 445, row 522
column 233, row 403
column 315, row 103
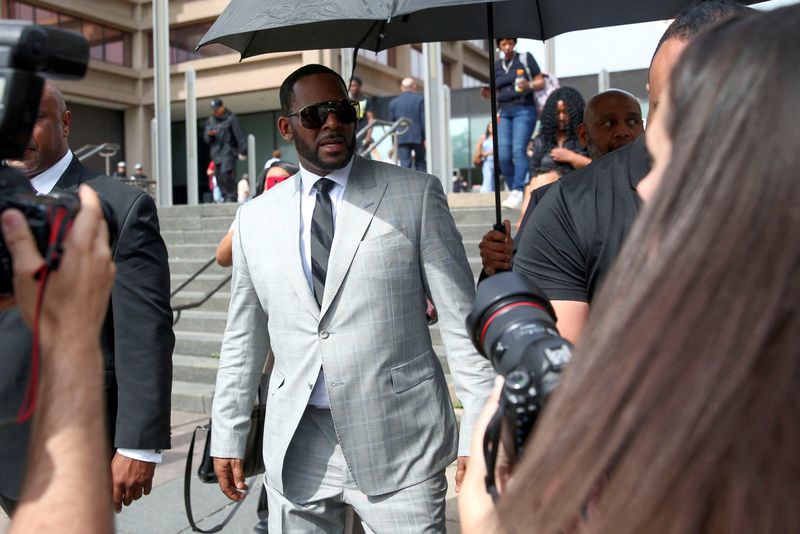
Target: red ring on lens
column 503, row 309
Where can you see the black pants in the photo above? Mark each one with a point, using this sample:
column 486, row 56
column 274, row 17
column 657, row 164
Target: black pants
column 226, row 180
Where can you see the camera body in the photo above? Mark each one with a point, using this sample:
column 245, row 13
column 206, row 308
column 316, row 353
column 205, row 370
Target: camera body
column 28, row 53
column 44, row 213
column 513, row 325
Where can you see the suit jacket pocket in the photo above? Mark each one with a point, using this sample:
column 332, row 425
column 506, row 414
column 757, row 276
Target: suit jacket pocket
column 410, row 374
column 276, row 380
column 382, row 241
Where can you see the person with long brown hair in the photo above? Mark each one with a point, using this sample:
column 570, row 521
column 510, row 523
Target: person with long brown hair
column 679, row 411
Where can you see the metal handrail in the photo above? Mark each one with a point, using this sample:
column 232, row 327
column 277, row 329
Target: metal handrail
column 177, row 309
column 106, row 150
column 398, row 127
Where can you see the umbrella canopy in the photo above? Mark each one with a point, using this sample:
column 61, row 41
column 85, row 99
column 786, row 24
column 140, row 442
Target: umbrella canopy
column 254, row 27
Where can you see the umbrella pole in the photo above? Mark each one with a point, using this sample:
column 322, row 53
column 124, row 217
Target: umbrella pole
column 498, row 225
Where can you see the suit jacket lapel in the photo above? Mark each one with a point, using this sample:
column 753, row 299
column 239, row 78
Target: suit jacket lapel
column 361, row 198
column 72, row 177
column 288, row 237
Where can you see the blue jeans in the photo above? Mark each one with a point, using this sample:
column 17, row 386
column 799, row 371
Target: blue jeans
column 514, row 131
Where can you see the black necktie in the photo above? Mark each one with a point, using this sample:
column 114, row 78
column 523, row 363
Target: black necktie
column 321, row 236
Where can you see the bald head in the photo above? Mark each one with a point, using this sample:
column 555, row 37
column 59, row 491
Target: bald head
column 49, row 140
column 408, row 84
column 611, row 120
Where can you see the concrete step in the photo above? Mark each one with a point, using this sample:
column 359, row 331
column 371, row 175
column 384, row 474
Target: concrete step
column 178, row 237
column 192, row 397
column 212, row 222
column 201, row 320
column 192, row 251
column 194, row 369
column 203, row 282
column 187, row 266
column 481, row 215
column 218, row 302
column 193, row 343
column 202, row 210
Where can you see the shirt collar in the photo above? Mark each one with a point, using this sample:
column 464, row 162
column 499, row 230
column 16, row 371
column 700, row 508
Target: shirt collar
column 340, row 176
column 45, row 182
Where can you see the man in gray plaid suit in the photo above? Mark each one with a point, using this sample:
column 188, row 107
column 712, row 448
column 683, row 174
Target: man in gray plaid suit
column 330, row 271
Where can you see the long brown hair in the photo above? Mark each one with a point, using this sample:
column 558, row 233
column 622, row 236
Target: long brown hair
column 680, row 411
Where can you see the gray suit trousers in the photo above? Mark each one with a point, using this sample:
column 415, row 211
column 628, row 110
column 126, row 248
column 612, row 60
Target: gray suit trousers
column 318, row 487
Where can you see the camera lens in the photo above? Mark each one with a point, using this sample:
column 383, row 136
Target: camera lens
column 509, row 312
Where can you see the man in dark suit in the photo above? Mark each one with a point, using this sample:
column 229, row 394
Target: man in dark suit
column 137, row 338
column 408, row 104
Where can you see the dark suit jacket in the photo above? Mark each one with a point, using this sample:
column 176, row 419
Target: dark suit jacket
column 411, row 106
column 137, row 338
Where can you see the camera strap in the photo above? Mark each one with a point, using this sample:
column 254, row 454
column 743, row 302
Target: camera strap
column 491, row 442
column 59, row 225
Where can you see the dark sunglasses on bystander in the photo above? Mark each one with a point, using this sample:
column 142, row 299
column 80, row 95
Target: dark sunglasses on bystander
column 313, row 116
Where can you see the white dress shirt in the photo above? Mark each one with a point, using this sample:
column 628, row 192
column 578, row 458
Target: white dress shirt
column 44, row 184
column 308, row 198
column 46, row 181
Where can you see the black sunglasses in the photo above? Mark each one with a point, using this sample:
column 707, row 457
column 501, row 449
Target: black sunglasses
column 313, row 116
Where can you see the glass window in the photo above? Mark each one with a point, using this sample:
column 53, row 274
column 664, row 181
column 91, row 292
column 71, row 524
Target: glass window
column 417, row 64
column 69, row 23
column 468, row 80
column 105, row 43
column 182, row 43
column 459, row 140
column 20, row 11
column 115, row 52
column 46, row 17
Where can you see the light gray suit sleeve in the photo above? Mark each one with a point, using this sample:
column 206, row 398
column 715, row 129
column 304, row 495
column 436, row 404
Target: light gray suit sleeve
column 244, row 351
column 450, row 284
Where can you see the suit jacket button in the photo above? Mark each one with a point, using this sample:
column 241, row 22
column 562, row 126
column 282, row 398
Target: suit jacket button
column 324, row 334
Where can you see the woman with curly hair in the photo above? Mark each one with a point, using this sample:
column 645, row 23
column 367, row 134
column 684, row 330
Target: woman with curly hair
column 557, row 150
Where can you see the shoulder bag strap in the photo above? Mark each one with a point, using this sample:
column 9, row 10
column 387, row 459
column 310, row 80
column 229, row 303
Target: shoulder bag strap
column 187, row 494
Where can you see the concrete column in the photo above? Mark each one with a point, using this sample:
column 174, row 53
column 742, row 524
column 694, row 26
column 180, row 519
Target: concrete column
column 434, row 113
column 163, row 138
column 603, row 81
column 137, row 135
column 191, row 140
column 251, row 163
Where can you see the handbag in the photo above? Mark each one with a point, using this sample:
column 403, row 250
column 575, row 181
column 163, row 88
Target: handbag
column 253, row 462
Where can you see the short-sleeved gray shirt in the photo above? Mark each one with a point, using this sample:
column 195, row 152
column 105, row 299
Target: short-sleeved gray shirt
column 575, row 233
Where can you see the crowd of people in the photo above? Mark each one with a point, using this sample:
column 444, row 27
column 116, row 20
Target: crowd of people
column 670, row 259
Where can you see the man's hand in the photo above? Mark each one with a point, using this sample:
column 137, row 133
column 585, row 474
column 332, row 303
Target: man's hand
column 230, row 475
column 130, row 479
column 461, row 470
column 242, row 157
column 497, row 249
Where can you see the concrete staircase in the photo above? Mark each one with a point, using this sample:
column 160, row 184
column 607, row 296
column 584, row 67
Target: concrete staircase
column 192, row 235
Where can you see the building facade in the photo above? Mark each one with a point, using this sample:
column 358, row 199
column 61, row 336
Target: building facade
column 114, row 102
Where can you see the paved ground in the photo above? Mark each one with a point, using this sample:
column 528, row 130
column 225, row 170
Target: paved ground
column 163, row 512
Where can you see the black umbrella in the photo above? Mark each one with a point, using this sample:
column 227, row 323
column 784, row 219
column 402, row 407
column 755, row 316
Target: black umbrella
column 254, row 27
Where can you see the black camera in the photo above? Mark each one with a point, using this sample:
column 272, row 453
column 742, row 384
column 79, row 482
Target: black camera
column 513, row 325
column 27, row 54
column 49, row 218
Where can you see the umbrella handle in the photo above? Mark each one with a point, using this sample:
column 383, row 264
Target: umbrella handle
column 498, row 225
